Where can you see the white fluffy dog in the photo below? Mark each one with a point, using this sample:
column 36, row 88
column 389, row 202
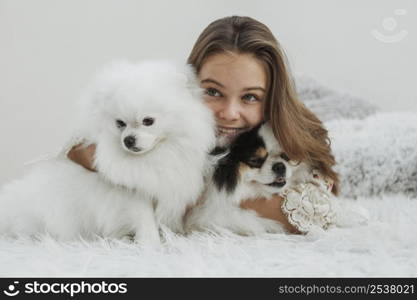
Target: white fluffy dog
column 152, row 133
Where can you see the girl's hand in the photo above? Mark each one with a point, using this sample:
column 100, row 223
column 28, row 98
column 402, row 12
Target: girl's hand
column 270, row 209
column 83, row 156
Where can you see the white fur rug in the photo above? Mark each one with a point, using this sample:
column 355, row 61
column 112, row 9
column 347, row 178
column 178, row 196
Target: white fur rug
column 386, row 247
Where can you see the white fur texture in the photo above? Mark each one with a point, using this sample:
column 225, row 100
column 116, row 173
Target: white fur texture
column 386, row 247
column 133, row 192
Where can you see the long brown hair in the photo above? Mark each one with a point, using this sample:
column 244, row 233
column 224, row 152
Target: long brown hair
column 300, row 133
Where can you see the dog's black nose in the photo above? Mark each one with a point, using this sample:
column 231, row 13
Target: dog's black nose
column 279, row 168
column 129, row 141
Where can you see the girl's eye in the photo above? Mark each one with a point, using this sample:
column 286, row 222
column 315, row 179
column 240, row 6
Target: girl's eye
column 250, row 98
column 148, row 121
column 285, row 157
column 213, row 92
column 120, row 124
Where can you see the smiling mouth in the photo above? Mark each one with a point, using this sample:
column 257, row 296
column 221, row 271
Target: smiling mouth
column 278, row 182
column 229, row 131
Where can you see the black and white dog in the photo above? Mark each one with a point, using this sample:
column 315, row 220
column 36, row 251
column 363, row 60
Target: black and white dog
column 253, row 167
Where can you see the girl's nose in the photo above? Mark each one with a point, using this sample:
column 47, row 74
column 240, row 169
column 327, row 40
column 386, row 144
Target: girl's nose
column 230, row 111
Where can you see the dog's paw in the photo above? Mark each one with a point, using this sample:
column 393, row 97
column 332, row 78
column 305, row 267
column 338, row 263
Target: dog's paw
column 271, row 226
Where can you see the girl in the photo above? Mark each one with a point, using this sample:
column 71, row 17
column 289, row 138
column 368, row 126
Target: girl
column 244, row 74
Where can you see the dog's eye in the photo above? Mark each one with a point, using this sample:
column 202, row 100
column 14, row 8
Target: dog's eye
column 255, row 162
column 120, row 124
column 148, row 121
column 285, row 157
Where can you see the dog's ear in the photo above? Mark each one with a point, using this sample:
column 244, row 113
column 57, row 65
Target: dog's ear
column 102, row 85
column 95, row 95
column 192, row 82
column 185, row 76
column 189, row 79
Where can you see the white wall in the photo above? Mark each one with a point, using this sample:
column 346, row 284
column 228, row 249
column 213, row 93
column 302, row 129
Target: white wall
column 49, row 49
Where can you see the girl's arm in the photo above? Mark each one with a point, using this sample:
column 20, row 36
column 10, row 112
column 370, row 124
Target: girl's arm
column 270, row 209
column 83, row 156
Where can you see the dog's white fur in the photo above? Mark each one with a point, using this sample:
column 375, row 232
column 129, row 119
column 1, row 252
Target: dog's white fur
column 132, row 192
column 219, row 210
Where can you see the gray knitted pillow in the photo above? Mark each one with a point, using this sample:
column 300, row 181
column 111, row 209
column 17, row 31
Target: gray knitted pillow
column 329, row 104
column 377, row 154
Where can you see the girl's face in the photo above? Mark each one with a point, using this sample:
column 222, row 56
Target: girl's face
column 234, row 89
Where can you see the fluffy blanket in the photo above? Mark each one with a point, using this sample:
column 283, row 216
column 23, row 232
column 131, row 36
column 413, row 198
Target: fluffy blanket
column 377, row 155
column 385, row 247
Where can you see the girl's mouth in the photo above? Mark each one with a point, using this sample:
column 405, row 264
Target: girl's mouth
column 229, row 131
